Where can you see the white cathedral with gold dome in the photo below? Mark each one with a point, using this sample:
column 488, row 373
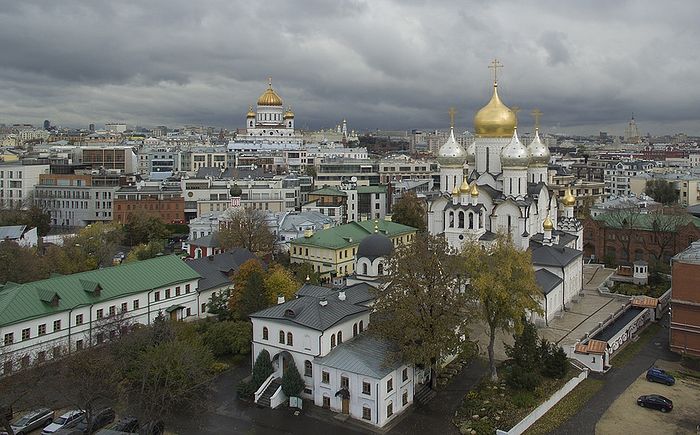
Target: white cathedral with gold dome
column 270, row 122
column 499, row 185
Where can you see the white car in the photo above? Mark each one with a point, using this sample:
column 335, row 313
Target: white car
column 69, row 419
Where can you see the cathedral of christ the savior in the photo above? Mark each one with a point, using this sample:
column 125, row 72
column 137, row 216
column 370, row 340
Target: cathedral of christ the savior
column 498, row 185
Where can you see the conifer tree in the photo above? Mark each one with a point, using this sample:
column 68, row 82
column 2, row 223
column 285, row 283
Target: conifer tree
column 262, row 369
column 292, row 383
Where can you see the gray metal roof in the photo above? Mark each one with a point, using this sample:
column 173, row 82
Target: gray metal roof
column 557, row 255
column 12, row 232
column 367, row 354
column 291, row 221
column 215, row 270
column 208, row 241
column 690, row 255
column 315, row 291
column 547, row 280
column 307, row 311
column 564, row 238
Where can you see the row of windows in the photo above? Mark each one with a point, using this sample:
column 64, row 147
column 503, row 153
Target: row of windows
column 168, row 294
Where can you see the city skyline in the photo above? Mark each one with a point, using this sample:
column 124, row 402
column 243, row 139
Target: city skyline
column 377, row 64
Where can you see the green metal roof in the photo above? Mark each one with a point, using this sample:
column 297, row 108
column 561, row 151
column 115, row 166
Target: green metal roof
column 20, row 302
column 646, row 221
column 330, row 191
column 351, row 234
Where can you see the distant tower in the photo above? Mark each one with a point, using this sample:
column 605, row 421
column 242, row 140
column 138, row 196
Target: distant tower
column 47, row 124
column 91, row 127
column 632, row 132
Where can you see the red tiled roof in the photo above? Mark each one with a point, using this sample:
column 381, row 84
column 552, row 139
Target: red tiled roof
column 593, row 346
column 644, row 302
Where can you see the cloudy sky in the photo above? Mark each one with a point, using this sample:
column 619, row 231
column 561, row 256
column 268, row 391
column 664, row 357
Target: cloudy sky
column 381, row 64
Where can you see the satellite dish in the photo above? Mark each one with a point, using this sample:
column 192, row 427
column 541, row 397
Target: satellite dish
column 353, row 179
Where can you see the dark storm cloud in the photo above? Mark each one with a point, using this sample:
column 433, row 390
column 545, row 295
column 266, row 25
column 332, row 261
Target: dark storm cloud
column 379, row 64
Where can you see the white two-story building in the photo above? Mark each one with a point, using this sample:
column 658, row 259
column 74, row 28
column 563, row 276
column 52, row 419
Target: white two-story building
column 49, row 318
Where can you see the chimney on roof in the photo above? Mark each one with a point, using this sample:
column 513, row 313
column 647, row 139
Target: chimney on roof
column 280, row 299
column 323, row 302
column 308, row 278
column 341, row 295
column 308, row 233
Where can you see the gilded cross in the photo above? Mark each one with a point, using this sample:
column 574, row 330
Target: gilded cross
column 269, row 81
column 537, row 114
column 452, row 113
column 495, row 65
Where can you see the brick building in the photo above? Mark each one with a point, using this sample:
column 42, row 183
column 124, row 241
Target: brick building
column 685, row 302
column 622, row 237
column 166, row 202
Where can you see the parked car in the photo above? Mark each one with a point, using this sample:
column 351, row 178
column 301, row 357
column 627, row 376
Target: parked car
column 34, row 419
column 655, row 401
column 658, row 375
column 100, row 419
column 67, row 420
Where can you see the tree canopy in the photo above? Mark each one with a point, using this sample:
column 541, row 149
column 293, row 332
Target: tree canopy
column 662, row 191
column 249, row 293
column 32, row 216
column 422, row 310
column 410, row 210
column 280, row 281
column 247, row 228
column 502, row 281
column 142, row 227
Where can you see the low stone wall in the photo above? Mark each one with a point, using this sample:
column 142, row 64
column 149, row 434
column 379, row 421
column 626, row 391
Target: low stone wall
column 541, row 410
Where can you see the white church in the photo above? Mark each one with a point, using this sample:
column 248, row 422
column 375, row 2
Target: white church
column 499, row 185
column 270, row 123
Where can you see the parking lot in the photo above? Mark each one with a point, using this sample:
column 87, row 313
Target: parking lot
column 624, row 416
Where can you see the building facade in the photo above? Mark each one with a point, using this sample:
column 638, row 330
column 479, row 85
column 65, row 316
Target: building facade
column 685, row 302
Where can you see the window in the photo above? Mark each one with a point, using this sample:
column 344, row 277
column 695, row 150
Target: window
column 366, row 389
column 42, row 329
column 112, row 310
column 332, row 341
column 100, row 313
column 204, row 308
column 340, row 337
column 26, row 334
column 177, row 291
column 390, row 409
column 344, row 382
column 167, row 293
column 125, row 306
column 404, row 398
column 390, row 385
column 308, row 369
column 9, row 339
column 281, row 337
column 354, row 329
column 366, row 413
column 156, row 296
column 79, row 345
column 189, row 311
column 7, row 367
column 404, row 374
column 135, row 304
column 362, row 326
column 56, row 325
column 326, row 402
column 56, row 351
column 380, row 268
column 187, row 288
column 78, row 319
column 41, row 357
column 290, row 339
column 325, row 377
column 265, row 332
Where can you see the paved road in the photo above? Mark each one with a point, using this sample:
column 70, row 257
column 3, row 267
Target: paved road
column 224, row 414
column 616, row 381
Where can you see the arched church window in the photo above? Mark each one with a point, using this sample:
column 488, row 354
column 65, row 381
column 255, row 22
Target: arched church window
column 452, row 219
column 380, row 268
column 510, row 183
column 340, row 337
column 362, row 326
column 354, row 329
column 509, row 223
column 461, row 219
column 332, row 341
column 364, row 269
column 290, row 339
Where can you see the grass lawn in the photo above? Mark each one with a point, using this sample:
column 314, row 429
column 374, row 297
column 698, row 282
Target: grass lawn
column 632, row 348
column 567, row 407
column 654, row 290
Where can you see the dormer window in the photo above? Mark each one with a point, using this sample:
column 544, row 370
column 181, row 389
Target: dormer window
column 289, row 313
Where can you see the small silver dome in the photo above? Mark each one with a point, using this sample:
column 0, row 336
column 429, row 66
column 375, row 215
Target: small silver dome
column 539, row 152
column 515, row 153
column 471, row 155
column 451, row 153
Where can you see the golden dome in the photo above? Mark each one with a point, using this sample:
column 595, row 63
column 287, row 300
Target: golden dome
column 269, row 97
column 251, row 113
column 475, row 190
column 455, row 191
column 464, row 188
column 548, row 225
column 569, row 199
column 494, row 119
column 288, row 113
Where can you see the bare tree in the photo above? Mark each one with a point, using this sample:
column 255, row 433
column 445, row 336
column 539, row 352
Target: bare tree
column 664, row 225
column 247, row 228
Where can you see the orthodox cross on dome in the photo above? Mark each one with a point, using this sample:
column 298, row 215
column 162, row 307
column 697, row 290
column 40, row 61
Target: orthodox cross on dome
column 452, row 113
column 515, row 111
column 269, row 82
column 537, row 114
column 495, row 64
